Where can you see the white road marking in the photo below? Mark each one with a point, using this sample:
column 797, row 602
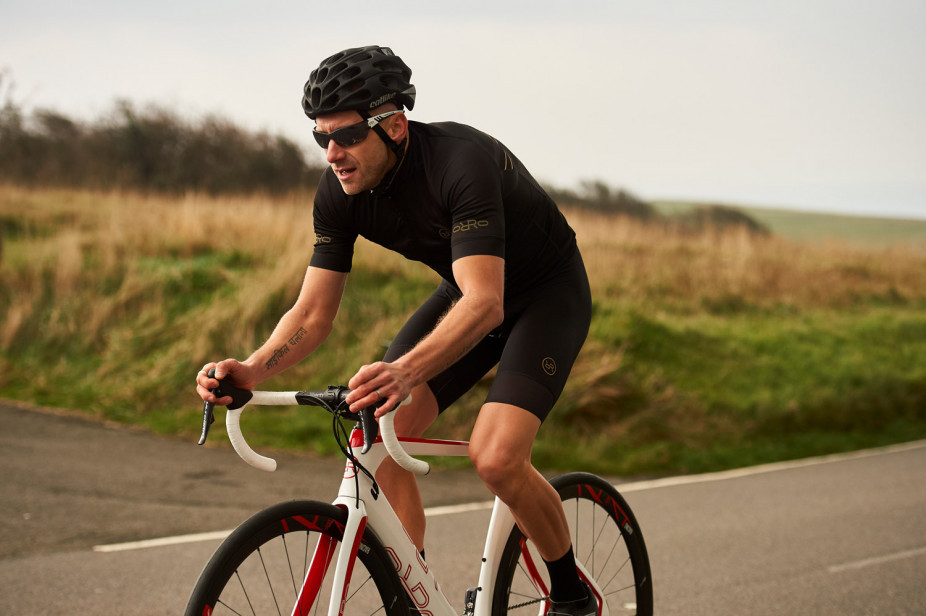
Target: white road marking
column 433, row 512
column 221, row 534
column 627, row 487
column 749, row 471
column 868, row 562
column 161, row 542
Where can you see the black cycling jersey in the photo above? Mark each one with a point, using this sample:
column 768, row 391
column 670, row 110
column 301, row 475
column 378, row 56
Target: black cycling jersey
column 458, row 192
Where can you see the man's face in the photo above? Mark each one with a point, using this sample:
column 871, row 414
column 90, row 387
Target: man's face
column 358, row 167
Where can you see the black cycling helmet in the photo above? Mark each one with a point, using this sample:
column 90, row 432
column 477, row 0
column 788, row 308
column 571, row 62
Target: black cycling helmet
column 361, row 78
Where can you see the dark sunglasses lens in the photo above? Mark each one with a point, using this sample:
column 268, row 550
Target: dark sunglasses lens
column 350, row 135
column 344, row 137
column 322, row 139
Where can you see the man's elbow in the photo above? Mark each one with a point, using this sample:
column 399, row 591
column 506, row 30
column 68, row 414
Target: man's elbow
column 494, row 313
column 485, row 306
column 320, row 324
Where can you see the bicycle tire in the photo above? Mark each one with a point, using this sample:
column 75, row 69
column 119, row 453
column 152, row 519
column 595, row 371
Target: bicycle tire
column 259, row 568
column 606, row 539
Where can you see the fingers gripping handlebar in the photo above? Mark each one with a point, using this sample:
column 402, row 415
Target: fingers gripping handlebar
column 239, row 396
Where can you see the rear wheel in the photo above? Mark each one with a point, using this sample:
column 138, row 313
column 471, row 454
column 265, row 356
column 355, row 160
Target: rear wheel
column 260, row 568
column 607, row 543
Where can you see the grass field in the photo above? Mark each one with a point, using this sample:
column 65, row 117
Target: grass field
column 707, row 350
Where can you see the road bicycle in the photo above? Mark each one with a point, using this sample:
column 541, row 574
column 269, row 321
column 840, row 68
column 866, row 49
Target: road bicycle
column 354, row 557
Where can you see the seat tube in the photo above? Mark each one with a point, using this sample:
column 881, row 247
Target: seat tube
column 500, row 526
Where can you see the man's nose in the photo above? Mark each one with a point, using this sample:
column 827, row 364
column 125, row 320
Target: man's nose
column 333, row 152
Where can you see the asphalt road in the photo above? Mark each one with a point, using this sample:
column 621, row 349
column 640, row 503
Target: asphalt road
column 836, row 536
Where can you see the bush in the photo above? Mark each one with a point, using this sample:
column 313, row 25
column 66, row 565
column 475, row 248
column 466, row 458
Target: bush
column 717, row 217
column 598, row 196
column 145, row 150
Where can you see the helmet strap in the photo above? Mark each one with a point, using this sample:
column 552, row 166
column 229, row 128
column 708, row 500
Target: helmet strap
column 397, row 148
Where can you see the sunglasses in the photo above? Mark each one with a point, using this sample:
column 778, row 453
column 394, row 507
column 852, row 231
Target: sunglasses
column 353, row 134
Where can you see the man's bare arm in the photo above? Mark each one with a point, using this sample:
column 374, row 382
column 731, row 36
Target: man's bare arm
column 304, row 326
column 299, row 332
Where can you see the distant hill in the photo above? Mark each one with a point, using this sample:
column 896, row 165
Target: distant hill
column 797, row 225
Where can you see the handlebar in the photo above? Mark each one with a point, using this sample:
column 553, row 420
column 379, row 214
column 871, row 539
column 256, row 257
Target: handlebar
column 244, row 451
column 395, row 449
column 332, row 399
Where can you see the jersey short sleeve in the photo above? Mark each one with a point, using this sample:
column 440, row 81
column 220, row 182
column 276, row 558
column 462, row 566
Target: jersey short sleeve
column 472, row 186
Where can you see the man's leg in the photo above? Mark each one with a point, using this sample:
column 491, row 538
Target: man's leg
column 500, row 449
column 399, row 485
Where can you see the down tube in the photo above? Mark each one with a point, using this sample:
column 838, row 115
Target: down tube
column 499, row 529
column 413, row 571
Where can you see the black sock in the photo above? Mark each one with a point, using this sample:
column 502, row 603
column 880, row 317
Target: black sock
column 565, row 585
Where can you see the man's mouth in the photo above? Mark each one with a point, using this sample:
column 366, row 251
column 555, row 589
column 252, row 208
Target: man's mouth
column 344, row 172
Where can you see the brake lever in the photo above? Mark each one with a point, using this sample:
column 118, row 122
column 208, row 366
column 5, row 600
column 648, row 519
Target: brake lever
column 208, row 420
column 369, row 424
column 370, row 427
column 208, row 412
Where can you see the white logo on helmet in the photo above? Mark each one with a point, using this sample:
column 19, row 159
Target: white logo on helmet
column 385, row 98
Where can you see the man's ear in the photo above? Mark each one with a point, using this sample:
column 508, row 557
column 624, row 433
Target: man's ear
column 398, row 127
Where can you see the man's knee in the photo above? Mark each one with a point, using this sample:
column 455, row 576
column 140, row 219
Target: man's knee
column 498, row 468
column 500, row 447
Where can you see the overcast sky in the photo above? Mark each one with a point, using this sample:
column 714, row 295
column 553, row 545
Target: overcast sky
column 807, row 104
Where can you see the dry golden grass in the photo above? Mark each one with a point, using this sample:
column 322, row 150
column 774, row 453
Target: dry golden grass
column 644, row 263
column 82, row 239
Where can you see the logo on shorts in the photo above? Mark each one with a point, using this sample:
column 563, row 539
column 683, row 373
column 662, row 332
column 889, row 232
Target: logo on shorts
column 549, row 366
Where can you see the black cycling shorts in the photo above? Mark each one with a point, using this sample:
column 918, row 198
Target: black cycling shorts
column 534, row 348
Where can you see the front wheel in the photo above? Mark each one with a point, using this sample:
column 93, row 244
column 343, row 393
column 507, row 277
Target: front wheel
column 608, row 546
column 262, row 567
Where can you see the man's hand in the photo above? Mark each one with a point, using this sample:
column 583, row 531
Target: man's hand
column 239, row 375
column 376, row 382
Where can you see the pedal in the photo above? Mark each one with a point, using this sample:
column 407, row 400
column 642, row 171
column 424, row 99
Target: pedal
column 469, row 604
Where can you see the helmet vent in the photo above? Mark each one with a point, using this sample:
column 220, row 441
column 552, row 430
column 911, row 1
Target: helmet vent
column 331, row 88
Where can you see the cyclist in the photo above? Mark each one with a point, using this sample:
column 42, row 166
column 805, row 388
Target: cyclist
column 514, row 291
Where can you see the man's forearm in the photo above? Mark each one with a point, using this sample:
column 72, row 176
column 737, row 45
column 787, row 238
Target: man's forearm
column 461, row 329
column 292, row 340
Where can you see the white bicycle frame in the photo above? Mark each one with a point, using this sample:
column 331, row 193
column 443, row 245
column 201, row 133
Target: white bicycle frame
column 363, row 511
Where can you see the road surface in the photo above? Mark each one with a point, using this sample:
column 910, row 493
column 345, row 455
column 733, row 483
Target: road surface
column 833, row 536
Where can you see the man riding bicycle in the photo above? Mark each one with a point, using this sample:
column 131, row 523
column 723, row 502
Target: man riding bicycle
column 514, row 291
